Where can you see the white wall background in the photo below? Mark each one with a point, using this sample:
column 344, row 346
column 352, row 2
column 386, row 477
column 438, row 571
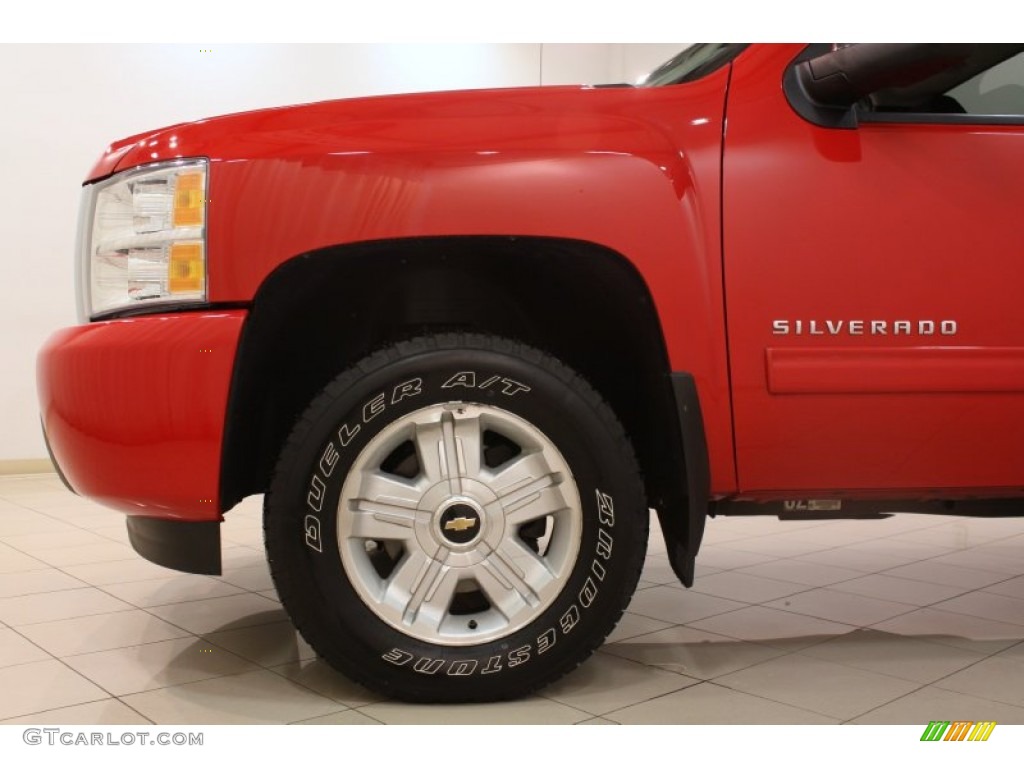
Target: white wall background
column 62, row 105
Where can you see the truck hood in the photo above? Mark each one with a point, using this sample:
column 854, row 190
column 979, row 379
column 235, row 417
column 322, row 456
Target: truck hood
column 483, row 121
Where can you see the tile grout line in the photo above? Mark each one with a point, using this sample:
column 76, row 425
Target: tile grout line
column 943, row 677
column 724, row 687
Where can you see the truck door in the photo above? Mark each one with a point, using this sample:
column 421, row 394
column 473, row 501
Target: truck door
column 873, row 282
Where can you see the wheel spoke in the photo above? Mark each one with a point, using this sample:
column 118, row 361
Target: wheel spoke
column 450, row 453
column 532, row 505
column 525, row 474
column 390, row 490
column 386, row 508
column 513, row 578
column 430, row 450
column 469, row 444
column 371, row 520
column 529, row 489
column 406, row 577
column 421, row 589
column 450, row 449
column 431, row 600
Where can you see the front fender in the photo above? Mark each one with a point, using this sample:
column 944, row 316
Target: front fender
column 636, row 171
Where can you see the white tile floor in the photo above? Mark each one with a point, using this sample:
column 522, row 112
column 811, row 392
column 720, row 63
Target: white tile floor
column 903, row 620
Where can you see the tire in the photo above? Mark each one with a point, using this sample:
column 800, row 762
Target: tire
column 482, row 584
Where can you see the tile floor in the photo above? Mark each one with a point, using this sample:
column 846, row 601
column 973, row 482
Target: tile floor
column 901, row 620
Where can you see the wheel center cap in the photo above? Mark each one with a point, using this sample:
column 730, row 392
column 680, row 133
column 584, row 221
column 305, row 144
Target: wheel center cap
column 460, row 523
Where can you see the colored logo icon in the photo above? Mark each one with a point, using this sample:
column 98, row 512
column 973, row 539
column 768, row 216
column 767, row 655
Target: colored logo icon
column 958, row 730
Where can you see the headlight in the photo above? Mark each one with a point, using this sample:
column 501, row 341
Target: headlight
column 143, row 238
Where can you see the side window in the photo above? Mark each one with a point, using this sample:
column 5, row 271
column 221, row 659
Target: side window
column 995, row 91
column 986, row 85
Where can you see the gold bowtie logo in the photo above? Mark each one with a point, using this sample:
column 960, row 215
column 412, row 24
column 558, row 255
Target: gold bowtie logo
column 460, row 524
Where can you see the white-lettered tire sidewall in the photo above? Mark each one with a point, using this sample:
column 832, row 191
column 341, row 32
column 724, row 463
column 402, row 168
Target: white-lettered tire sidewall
column 302, row 524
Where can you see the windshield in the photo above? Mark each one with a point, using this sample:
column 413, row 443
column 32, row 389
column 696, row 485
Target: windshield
column 693, row 63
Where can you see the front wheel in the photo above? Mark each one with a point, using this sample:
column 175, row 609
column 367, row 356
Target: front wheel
column 456, row 518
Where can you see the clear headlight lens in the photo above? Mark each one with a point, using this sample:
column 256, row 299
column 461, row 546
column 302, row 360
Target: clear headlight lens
column 143, row 237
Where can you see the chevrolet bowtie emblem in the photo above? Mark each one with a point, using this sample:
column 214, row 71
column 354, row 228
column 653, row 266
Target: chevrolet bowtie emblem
column 460, row 524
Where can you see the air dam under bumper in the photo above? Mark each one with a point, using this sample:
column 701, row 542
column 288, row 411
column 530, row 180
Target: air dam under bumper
column 134, row 411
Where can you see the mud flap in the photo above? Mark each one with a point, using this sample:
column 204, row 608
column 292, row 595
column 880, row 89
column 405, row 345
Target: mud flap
column 683, row 528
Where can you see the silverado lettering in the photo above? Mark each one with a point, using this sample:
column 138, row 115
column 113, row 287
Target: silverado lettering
column 864, row 327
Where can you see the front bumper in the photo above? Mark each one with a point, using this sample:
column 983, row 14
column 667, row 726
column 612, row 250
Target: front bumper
column 134, row 410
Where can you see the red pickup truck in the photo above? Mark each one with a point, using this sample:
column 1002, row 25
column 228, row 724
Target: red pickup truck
column 465, row 342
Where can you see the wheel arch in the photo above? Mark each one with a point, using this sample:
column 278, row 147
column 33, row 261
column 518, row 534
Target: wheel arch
column 321, row 312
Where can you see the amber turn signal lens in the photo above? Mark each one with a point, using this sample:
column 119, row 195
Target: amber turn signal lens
column 186, row 268
column 188, row 199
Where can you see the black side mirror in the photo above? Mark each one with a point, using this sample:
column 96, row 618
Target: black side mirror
column 845, row 76
column 830, row 84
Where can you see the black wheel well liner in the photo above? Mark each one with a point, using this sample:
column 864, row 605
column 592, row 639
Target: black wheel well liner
column 321, row 312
